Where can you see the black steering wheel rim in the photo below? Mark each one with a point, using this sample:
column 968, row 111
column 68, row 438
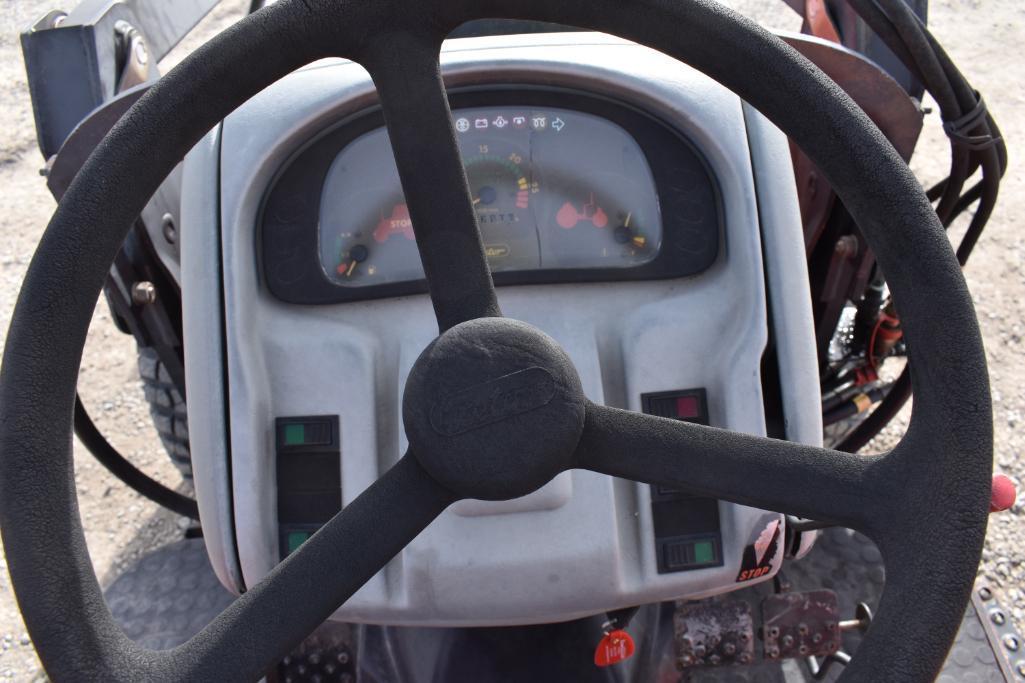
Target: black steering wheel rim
column 925, row 503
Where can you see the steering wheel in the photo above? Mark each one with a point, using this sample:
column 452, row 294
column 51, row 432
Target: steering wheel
column 493, row 408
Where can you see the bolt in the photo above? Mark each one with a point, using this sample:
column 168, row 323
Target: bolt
column 140, row 53
column 802, row 629
column 788, row 641
column 803, row 650
column 985, row 593
column 1020, row 668
column 144, row 293
column 167, row 227
column 729, row 649
column 744, row 658
column 699, row 650
column 1011, row 642
column 714, row 659
column 817, row 638
column 744, row 637
column 343, row 657
column 997, row 617
column 773, row 631
column 773, row 652
column 847, row 246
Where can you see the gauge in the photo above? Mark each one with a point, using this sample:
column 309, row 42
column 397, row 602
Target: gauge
column 599, row 221
column 551, row 189
column 501, row 186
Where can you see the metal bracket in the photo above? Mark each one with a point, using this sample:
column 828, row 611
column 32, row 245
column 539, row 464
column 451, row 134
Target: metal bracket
column 72, row 60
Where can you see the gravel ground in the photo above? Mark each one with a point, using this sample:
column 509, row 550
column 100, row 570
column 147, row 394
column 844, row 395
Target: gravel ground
column 983, row 38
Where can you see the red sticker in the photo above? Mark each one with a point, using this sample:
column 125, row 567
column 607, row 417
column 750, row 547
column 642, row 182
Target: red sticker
column 614, row 648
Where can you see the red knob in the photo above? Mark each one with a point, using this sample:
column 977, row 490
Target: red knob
column 1003, row 495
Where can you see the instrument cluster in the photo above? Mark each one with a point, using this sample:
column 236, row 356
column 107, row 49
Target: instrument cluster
column 566, row 188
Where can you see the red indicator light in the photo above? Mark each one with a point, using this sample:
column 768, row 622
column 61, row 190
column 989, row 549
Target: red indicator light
column 688, row 407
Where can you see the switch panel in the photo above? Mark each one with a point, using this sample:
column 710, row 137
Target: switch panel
column 687, row 533
column 309, row 478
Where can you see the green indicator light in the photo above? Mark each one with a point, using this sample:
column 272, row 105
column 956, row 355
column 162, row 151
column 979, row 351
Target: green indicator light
column 296, row 539
column 704, row 552
column 295, row 434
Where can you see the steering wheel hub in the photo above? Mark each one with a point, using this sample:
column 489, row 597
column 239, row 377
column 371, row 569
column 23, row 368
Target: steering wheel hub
column 493, row 409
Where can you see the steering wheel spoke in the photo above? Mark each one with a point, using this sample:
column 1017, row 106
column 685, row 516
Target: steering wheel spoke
column 406, row 71
column 810, row 482
column 304, row 589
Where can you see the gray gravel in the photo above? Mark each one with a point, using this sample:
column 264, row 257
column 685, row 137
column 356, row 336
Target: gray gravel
column 984, row 38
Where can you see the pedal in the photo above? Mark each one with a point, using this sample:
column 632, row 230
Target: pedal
column 801, row 624
column 713, row 634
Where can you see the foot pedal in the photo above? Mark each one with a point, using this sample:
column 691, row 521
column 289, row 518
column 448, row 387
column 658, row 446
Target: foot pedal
column 713, row 634
column 801, row 624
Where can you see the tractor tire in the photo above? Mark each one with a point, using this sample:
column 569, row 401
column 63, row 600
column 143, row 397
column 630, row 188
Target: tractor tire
column 167, row 409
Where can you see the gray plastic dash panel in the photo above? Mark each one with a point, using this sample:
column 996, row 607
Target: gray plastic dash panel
column 583, row 544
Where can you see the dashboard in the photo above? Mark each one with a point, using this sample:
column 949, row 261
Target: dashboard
column 297, row 358
column 597, row 192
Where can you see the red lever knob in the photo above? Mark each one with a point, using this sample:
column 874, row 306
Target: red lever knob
column 1003, row 495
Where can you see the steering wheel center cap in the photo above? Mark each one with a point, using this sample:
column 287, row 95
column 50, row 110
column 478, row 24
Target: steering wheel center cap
column 493, row 409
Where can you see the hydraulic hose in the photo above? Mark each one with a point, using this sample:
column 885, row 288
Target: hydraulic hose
column 128, row 473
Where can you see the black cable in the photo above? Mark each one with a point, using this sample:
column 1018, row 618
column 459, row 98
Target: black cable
column 888, row 408
column 900, row 29
column 975, row 142
column 132, row 477
column 851, row 405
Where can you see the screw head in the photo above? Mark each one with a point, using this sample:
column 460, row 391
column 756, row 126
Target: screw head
column 168, row 228
column 997, row 617
column 985, row 593
column 1011, row 642
column 140, row 53
column 144, row 293
column 1020, row 668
